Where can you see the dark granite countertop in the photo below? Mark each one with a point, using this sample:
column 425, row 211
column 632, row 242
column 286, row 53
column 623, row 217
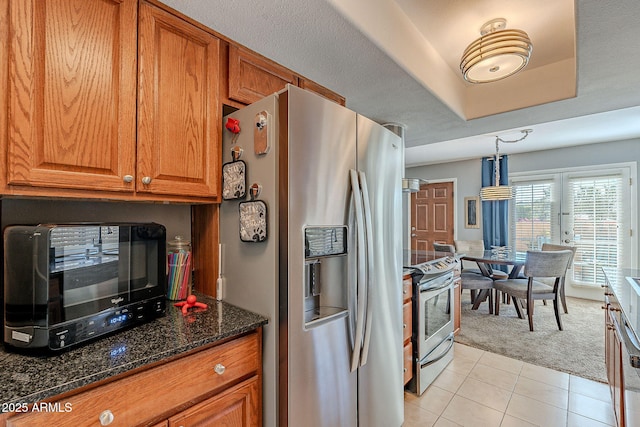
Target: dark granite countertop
column 29, row 379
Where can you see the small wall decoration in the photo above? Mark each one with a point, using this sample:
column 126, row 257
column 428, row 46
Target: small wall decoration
column 472, row 212
column 253, row 217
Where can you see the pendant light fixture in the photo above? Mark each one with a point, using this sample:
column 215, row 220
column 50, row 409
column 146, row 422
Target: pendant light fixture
column 498, row 192
column 497, row 54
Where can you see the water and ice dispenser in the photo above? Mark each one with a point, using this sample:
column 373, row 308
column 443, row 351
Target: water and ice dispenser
column 326, row 274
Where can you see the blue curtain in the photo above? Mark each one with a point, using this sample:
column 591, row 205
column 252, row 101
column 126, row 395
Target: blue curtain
column 495, row 215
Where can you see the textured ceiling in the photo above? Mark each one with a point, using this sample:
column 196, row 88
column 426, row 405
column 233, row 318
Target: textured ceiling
column 316, row 40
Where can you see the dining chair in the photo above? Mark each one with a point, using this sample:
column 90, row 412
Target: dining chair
column 553, row 247
column 475, row 246
column 538, row 265
column 480, row 287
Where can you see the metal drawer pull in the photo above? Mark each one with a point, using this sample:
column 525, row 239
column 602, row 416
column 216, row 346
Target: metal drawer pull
column 106, row 418
column 219, row 369
column 146, row 180
column 128, row 178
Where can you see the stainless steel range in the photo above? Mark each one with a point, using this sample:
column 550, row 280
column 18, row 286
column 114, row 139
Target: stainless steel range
column 432, row 320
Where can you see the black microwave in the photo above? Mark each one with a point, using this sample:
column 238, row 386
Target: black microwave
column 69, row 283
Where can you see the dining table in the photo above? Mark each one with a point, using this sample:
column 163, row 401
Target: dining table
column 487, row 260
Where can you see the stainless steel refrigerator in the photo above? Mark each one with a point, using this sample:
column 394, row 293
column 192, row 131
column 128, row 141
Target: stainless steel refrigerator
column 323, row 262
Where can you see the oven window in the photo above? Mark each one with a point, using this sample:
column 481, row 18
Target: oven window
column 437, row 312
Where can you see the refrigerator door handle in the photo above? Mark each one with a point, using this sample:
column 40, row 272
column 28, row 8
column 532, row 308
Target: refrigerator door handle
column 360, row 234
column 370, row 284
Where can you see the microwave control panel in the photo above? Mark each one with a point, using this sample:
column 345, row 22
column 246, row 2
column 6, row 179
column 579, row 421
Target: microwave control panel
column 79, row 330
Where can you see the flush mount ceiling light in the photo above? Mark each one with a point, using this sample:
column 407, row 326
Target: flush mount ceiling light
column 497, row 54
column 497, row 191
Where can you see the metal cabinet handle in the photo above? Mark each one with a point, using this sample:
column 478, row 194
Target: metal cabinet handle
column 106, row 417
column 127, row 178
column 404, row 326
column 146, row 180
column 219, row 369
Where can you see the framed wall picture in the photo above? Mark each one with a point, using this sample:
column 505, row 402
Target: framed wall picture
column 472, row 212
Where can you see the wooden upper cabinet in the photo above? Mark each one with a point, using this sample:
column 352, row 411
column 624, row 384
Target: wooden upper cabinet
column 322, row 91
column 178, row 109
column 252, row 77
column 72, row 84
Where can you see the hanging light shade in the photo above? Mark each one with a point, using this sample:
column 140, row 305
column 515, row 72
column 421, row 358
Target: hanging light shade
column 498, row 192
column 410, row 185
column 497, row 54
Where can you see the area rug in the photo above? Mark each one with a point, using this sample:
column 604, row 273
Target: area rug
column 577, row 350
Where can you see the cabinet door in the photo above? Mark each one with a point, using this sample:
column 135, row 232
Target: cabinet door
column 408, row 362
column 178, row 112
column 407, row 321
column 237, row 407
column 72, row 83
column 252, row 77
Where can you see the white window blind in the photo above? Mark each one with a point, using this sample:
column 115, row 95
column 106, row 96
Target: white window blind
column 534, row 215
column 599, row 222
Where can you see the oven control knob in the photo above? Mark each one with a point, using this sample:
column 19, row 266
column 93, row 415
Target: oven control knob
column 106, row 418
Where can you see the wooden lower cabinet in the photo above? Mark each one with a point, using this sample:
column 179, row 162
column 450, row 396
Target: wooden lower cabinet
column 407, row 321
column 220, row 385
column 457, row 304
column 235, row 407
column 613, row 363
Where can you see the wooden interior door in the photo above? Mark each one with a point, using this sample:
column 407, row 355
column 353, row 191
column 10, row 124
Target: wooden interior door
column 432, row 216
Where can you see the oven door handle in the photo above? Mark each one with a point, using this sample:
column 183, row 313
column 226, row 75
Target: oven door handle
column 441, row 355
column 443, row 285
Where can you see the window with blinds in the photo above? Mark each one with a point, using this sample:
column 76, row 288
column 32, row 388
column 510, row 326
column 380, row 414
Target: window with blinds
column 599, row 221
column 534, row 215
column 587, row 208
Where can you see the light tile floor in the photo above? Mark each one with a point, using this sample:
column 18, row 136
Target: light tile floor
column 483, row 389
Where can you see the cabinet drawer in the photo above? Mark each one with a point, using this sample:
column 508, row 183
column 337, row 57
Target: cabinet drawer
column 408, row 365
column 407, row 289
column 406, row 321
column 156, row 393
